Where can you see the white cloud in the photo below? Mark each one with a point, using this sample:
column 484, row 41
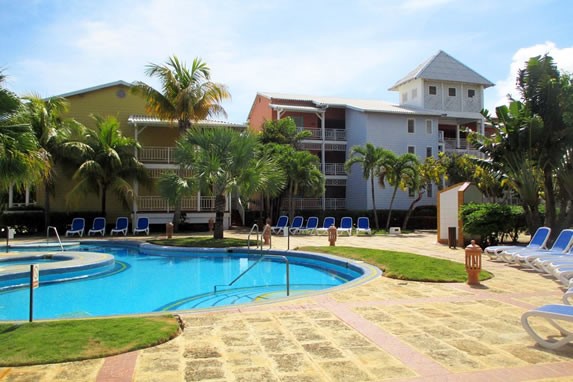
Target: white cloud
column 563, row 58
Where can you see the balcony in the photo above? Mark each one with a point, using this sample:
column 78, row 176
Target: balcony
column 157, row 154
column 451, row 147
column 329, row 134
column 159, row 204
column 315, row 203
column 334, row 169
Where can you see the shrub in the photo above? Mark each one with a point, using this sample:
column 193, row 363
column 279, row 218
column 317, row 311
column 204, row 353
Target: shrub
column 491, row 221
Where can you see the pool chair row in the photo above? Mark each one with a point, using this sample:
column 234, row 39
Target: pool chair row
column 99, row 226
column 297, row 227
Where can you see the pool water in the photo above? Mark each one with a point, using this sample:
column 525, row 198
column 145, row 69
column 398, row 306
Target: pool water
column 147, row 283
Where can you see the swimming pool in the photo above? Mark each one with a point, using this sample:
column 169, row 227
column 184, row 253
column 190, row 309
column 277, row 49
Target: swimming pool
column 148, row 278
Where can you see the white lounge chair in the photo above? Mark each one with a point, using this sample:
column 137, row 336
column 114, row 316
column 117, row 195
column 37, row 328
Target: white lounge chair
column 78, row 226
column 562, row 244
column 345, row 226
column 568, row 296
column 311, row 226
column 553, row 314
column 538, row 241
column 141, row 226
column 98, row 226
column 296, row 225
column 363, row 225
column 328, row 221
column 281, row 225
column 121, row 224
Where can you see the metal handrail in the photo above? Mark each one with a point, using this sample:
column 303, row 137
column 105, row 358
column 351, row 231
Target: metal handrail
column 249, row 237
column 57, row 236
column 253, row 265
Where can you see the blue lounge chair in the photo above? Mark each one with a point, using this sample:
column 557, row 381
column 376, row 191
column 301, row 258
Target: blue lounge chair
column 296, row 225
column 121, row 225
column 363, row 225
column 281, row 225
column 78, row 226
column 311, row 226
column 568, row 295
column 553, row 314
column 538, row 241
column 98, row 226
column 562, row 245
column 328, row 221
column 345, row 226
column 141, row 226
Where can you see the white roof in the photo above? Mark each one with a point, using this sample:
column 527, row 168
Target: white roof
column 94, row 88
column 146, row 120
column 351, row 103
column 443, row 67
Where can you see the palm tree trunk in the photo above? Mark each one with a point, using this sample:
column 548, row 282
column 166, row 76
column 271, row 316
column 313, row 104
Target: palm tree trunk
column 46, row 205
column 103, row 200
column 411, row 208
column 374, row 201
column 390, row 208
column 549, row 199
column 220, row 202
column 177, row 216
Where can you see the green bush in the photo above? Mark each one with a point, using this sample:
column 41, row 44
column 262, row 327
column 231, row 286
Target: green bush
column 492, row 221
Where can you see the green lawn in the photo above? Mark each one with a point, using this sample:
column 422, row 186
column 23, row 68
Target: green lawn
column 203, row 241
column 61, row 341
column 404, row 266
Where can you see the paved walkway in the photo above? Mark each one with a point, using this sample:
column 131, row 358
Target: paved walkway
column 383, row 330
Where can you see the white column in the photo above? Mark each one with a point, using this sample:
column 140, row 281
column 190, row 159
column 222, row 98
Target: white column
column 457, row 136
column 322, row 116
column 27, row 197
column 11, row 196
column 136, row 183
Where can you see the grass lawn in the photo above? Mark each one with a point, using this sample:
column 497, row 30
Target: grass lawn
column 203, row 241
column 61, row 341
column 404, row 266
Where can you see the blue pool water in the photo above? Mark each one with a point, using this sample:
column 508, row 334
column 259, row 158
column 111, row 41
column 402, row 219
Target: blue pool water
column 149, row 283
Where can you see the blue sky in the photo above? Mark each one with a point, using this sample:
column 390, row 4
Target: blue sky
column 346, row 48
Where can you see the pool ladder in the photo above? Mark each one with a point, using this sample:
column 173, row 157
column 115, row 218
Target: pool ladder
column 255, row 228
column 51, row 227
column 257, row 262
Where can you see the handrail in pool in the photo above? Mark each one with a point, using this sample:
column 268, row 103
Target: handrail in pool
column 252, row 266
column 57, row 235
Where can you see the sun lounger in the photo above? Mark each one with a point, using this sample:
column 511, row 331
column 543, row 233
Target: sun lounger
column 296, row 225
column 78, row 225
column 363, row 226
column 538, row 241
column 281, row 225
column 98, row 226
column 311, row 226
column 345, row 226
column 562, row 244
column 328, row 221
column 568, row 296
column 121, row 225
column 141, row 226
column 553, row 314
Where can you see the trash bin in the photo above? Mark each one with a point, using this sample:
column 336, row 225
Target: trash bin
column 452, row 237
column 473, row 263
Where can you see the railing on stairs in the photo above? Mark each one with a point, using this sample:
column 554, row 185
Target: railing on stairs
column 51, row 227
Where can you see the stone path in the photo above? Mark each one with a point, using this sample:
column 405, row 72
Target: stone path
column 383, row 330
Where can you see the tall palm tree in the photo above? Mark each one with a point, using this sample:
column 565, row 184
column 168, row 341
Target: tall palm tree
column 398, row 171
column 370, row 158
column 187, row 96
column 224, row 161
column 174, row 187
column 304, row 176
column 108, row 164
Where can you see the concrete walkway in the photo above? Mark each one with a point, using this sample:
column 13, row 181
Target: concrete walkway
column 383, row 330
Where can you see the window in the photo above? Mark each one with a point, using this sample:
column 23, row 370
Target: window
column 404, row 97
column 412, row 150
column 432, row 90
column 414, row 93
column 410, row 192
column 429, row 190
column 452, row 92
column 411, row 126
column 471, row 93
column 298, row 120
column 429, row 126
column 428, row 151
column 440, row 148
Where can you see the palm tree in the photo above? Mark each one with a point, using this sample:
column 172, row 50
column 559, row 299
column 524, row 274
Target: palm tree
column 173, row 188
column 371, row 159
column 224, row 161
column 399, row 172
column 304, row 176
column 187, row 96
column 108, row 164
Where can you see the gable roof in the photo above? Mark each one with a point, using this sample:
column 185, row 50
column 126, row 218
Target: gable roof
column 94, row 88
column 443, row 67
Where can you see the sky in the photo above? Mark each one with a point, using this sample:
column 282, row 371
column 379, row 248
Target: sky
column 342, row 48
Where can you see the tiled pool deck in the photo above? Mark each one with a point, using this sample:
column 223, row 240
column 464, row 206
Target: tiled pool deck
column 383, row 330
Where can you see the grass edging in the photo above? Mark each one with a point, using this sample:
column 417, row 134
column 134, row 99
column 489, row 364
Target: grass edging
column 403, row 265
column 46, row 342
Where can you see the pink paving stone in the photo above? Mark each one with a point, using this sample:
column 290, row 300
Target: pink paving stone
column 118, row 368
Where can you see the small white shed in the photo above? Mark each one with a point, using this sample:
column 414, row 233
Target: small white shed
column 450, row 201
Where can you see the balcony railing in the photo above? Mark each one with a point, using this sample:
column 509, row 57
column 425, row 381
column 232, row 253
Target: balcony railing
column 329, row 134
column 334, row 169
column 159, row 204
column 316, row 203
column 451, row 146
column 157, row 154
